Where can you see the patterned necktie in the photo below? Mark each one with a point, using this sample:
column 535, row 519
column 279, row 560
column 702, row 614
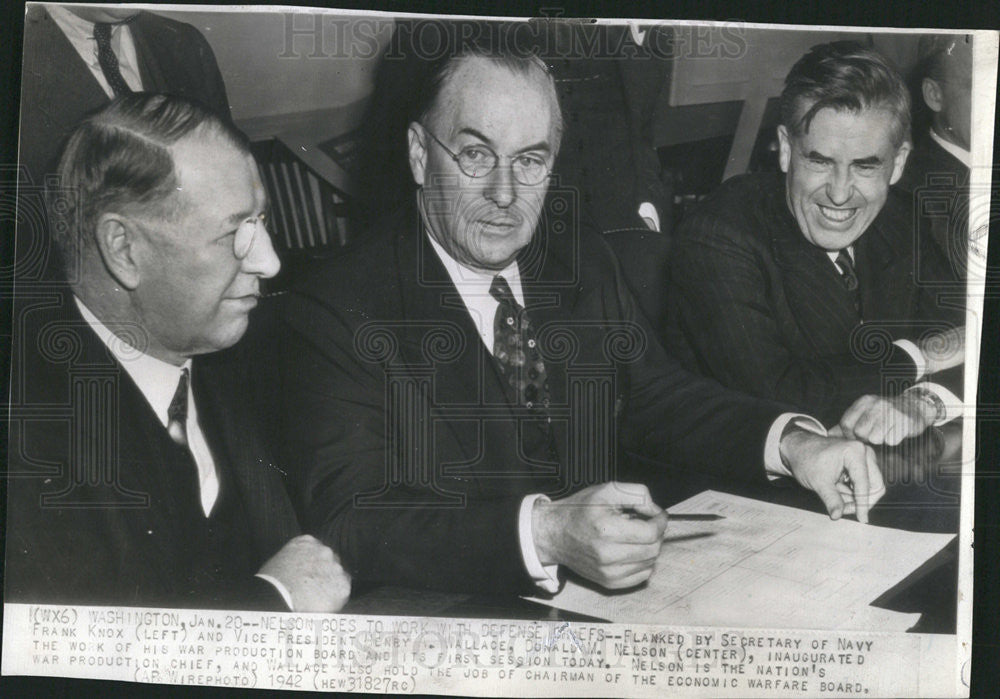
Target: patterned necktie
column 849, row 276
column 516, row 349
column 108, row 60
column 178, row 410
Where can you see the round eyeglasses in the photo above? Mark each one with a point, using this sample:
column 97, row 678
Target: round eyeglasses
column 246, row 234
column 480, row 160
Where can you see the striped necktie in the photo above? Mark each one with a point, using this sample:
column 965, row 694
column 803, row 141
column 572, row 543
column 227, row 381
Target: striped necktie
column 849, row 276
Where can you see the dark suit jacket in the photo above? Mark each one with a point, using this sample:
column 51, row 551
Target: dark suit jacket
column 756, row 306
column 127, row 537
column 58, row 90
column 432, row 499
column 938, row 184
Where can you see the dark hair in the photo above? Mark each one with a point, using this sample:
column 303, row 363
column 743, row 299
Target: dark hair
column 844, row 75
column 119, row 158
column 933, row 51
column 518, row 59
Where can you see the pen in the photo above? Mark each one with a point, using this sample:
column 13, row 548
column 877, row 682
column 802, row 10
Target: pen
column 683, row 517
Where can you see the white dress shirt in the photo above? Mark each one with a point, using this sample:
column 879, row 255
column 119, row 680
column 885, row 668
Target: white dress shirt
column 80, row 33
column 157, row 381
column 473, row 286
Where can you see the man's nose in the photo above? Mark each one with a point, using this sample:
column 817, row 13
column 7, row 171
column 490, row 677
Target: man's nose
column 501, row 186
column 838, row 188
column 262, row 260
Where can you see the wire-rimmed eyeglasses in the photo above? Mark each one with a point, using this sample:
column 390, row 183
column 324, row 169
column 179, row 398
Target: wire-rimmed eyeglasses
column 480, row 160
column 247, row 233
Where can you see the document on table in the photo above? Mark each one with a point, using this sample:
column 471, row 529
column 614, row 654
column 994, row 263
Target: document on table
column 765, row 566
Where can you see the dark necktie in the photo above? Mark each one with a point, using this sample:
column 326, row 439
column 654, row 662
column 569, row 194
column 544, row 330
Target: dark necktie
column 849, row 276
column 178, row 410
column 108, row 60
column 516, row 349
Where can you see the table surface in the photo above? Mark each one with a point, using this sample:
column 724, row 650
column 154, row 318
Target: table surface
column 923, row 485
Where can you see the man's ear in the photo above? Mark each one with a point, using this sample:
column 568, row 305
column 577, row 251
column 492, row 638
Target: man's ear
column 933, row 94
column 899, row 162
column 117, row 242
column 784, row 148
column 416, row 139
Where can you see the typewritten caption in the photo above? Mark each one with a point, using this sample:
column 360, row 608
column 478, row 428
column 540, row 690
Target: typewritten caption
column 400, row 655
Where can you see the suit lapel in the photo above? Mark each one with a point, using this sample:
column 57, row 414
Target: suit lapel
column 239, row 455
column 885, row 271
column 819, row 301
column 70, row 83
column 145, row 457
column 550, row 271
column 430, row 302
column 147, row 53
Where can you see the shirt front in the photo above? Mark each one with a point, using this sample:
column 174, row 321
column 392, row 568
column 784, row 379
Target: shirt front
column 157, row 381
column 474, row 288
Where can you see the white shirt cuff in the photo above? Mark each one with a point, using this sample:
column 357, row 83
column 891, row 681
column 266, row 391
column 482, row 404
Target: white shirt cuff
column 953, row 407
column 773, row 464
column 544, row 576
column 915, row 354
column 282, row 590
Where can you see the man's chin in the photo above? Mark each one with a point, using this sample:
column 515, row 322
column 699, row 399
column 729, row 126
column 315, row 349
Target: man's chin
column 835, row 238
column 229, row 335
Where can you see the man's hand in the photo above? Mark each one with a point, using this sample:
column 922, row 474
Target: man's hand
column 943, row 350
column 311, row 573
column 842, row 472
column 607, row 533
column 878, row 420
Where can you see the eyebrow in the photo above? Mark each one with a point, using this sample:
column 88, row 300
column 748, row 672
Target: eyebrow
column 541, row 145
column 240, row 217
column 870, row 160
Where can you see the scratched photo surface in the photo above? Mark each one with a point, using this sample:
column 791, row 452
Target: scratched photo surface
column 365, row 352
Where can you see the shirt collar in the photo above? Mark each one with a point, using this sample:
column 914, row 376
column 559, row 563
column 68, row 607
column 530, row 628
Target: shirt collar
column 833, row 255
column 77, row 29
column 471, row 282
column 962, row 155
column 156, row 379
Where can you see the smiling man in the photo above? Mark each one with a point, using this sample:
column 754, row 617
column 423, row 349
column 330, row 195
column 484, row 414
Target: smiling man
column 145, row 483
column 460, row 387
column 772, row 277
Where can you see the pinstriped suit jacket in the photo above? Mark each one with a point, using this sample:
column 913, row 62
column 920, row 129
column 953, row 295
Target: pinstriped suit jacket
column 756, row 306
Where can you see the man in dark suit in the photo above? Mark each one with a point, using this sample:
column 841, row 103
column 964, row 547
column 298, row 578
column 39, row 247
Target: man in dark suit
column 459, row 388
column 937, row 171
column 793, row 288
column 135, row 476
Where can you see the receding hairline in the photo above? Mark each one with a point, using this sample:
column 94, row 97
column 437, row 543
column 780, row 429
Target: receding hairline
column 534, row 68
column 177, row 201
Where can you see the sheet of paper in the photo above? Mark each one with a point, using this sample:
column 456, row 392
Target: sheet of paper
column 765, row 566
